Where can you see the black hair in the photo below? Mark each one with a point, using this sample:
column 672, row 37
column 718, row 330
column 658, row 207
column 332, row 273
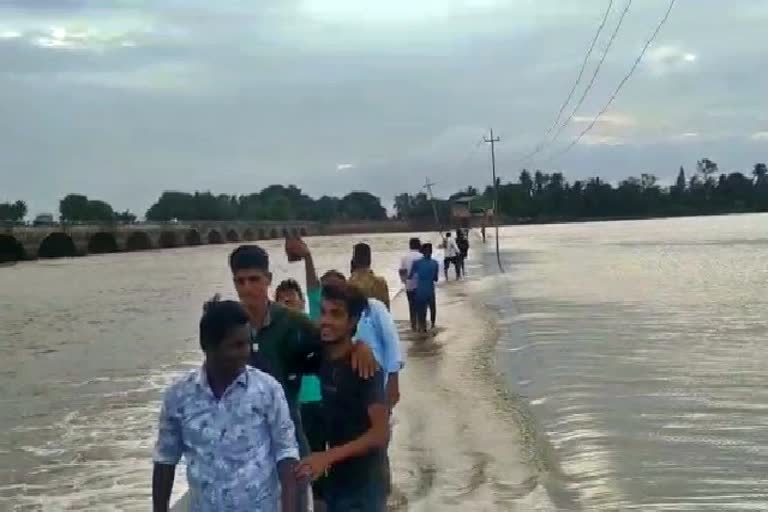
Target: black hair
column 361, row 255
column 218, row 320
column 350, row 295
column 448, row 234
column 414, row 244
column 426, row 249
column 334, row 273
column 249, row 257
column 289, row 285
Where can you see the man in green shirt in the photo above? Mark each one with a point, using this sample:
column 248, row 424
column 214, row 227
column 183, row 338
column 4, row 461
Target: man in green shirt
column 284, row 343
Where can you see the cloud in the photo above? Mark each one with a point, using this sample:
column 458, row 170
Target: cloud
column 592, row 139
column 669, row 58
column 608, row 120
column 125, row 98
column 760, row 136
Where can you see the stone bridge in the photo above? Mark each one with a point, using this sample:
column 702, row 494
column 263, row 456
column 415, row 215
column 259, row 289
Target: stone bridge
column 24, row 242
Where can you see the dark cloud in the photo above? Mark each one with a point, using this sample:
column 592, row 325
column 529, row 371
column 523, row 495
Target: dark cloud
column 235, row 95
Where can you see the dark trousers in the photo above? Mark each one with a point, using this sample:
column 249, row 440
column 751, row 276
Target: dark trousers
column 412, row 308
column 447, row 262
column 422, row 304
column 370, row 497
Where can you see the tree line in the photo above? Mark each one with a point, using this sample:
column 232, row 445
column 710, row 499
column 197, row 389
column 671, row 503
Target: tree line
column 705, row 191
column 542, row 196
column 536, row 196
column 274, row 203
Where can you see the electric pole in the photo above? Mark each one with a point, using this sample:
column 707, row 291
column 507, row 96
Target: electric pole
column 428, row 186
column 492, row 141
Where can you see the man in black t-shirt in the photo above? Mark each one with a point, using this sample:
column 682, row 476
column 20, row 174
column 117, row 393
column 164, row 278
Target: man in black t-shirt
column 356, row 413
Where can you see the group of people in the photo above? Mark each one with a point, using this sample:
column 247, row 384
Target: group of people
column 286, row 398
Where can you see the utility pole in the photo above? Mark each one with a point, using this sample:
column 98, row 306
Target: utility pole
column 492, row 141
column 428, row 186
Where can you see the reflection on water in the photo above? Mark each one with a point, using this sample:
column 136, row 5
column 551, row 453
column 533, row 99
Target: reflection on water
column 639, row 347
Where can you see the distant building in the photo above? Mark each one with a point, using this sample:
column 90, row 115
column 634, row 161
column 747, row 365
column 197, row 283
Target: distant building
column 44, row 219
column 469, row 211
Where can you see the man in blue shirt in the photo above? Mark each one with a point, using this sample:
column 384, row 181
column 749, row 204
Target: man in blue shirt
column 425, row 271
column 232, row 425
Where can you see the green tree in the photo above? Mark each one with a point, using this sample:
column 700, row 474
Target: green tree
column 78, row 208
column 13, row 212
column 362, row 206
column 125, row 217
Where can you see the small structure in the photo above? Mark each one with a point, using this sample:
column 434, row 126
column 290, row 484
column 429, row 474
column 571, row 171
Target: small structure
column 44, row 219
column 471, row 211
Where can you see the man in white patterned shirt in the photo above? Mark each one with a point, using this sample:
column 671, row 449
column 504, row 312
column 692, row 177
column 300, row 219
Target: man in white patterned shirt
column 232, row 425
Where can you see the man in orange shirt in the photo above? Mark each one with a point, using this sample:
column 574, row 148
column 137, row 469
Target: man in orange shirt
column 363, row 278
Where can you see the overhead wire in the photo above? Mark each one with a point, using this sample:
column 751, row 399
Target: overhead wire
column 621, row 85
column 588, row 88
column 576, row 83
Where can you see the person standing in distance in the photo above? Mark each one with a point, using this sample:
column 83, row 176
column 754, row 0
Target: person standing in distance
column 363, row 277
column 425, row 272
column 414, row 254
column 451, row 256
column 232, row 425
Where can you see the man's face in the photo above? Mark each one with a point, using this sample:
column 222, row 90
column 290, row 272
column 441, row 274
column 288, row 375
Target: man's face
column 252, row 286
column 290, row 299
column 335, row 323
column 232, row 354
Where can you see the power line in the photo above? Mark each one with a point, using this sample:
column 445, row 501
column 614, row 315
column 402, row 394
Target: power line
column 589, row 86
column 621, row 84
column 492, row 141
column 580, row 75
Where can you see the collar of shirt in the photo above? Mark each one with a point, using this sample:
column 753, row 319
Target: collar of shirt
column 201, row 379
column 267, row 319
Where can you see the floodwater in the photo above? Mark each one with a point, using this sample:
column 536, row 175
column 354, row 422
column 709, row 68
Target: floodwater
column 640, row 351
column 629, row 370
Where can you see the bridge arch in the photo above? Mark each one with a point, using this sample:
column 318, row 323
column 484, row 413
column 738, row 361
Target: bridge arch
column 214, row 237
column 138, row 241
column 11, row 249
column 303, row 232
column 248, row 235
column 273, row 233
column 57, row 245
column 168, row 239
column 102, row 243
column 192, row 237
column 262, row 234
column 232, row 236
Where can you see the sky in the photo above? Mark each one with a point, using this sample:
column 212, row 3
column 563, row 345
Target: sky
column 122, row 99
